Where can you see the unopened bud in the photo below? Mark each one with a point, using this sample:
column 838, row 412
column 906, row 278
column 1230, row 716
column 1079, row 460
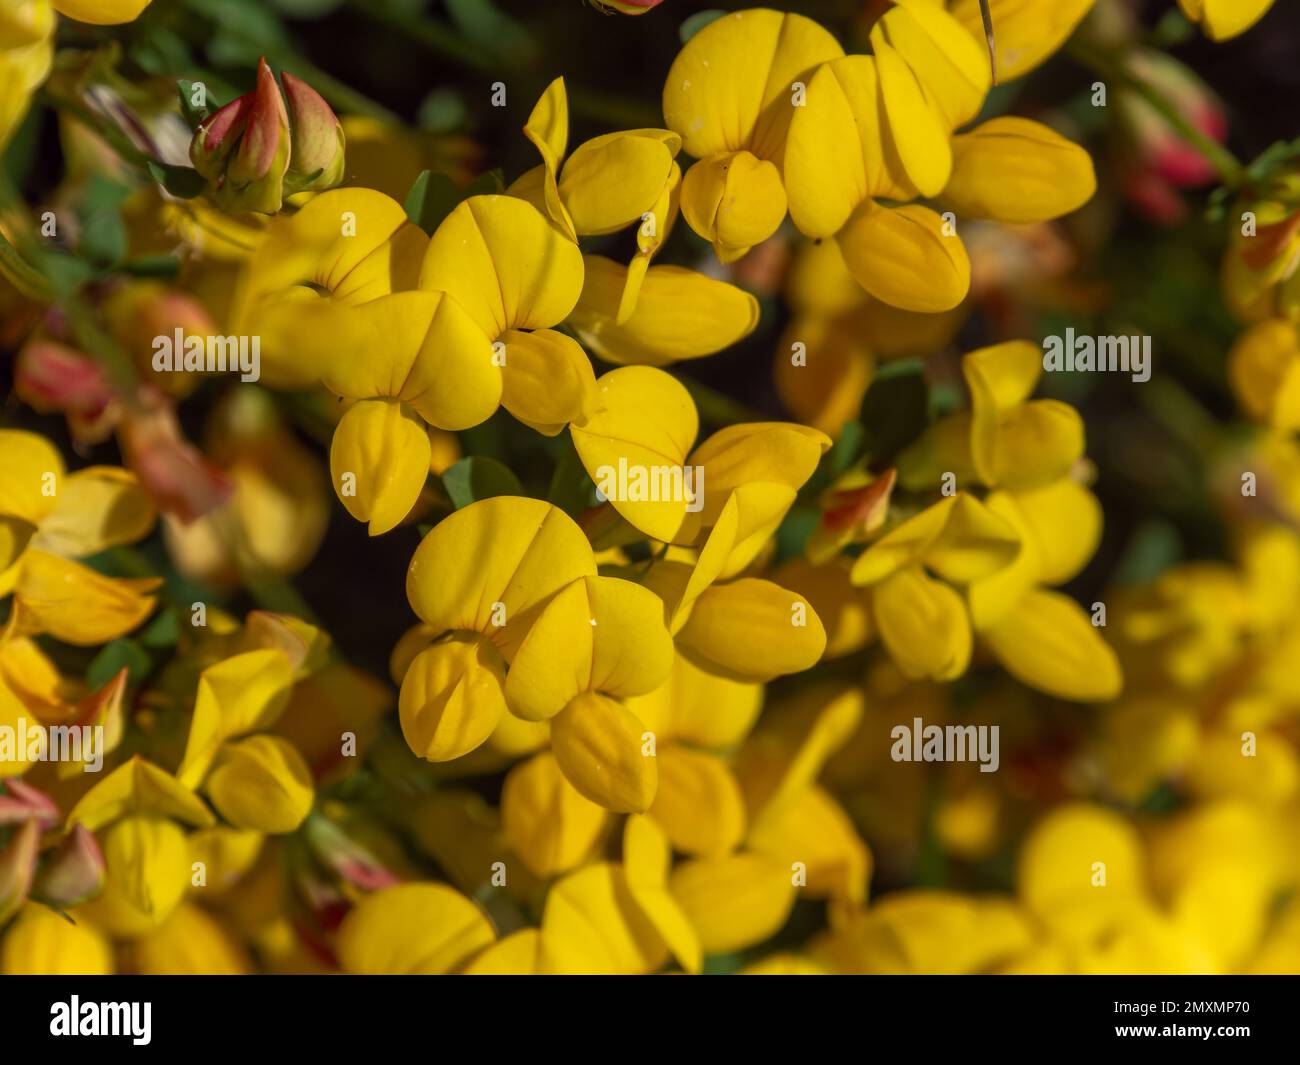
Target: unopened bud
column 316, row 160
column 17, row 865
column 73, row 872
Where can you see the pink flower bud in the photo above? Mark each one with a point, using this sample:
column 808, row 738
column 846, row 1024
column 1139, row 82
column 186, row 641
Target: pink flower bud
column 22, row 802
column 629, row 7
column 73, row 872
column 17, row 865
column 317, row 137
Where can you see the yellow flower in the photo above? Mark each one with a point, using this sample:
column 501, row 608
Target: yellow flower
column 411, row 929
column 479, row 580
column 1223, row 19
column 923, row 622
column 730, row 95
column 881, row 127
column 48, row 518
column 1026, row 33
column 600, row 639
column 1264, row 370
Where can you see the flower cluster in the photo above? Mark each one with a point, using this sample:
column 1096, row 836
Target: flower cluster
column 674, row 656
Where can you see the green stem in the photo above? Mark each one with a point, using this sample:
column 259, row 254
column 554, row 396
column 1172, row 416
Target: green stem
column 1231, row 172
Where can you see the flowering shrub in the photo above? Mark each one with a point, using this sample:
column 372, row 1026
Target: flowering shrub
column 956, row 639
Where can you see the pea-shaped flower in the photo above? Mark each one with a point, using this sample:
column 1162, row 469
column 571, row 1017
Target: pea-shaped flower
column 730, row 94
column 478, row 580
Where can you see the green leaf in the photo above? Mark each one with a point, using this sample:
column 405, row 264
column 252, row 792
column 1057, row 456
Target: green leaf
column 162, row 631
column 433, row 196
column 103, row 233
column 183, row 182
column 191, row 112
column 895, row 410
column 571, row 489
column 478, row 477
column 430, row 200
column 65, row 273
column 123, row 652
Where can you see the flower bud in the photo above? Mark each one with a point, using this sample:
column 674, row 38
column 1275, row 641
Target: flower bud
column 74, row 871
column 21, row 802
column 316, row 160
column 628, row 7
column 17, row 864
column 255, row 151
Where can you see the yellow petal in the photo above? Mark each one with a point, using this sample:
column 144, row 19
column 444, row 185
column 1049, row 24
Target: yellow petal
column 839, row 152
column 41, row 942
column 548, row 129
column 379, row 461
column 139, row 788
column 923, row 624
column 1049, row 643
column 903, row 256
column 593, row 925
column 1014, row 170
column 1224, row 19
column 734, row 901
column 1057, row 862
column 452, row 697
column 598, row 634
column 916, row 128
column 417, row 347
column 698, row 804
column 752, row 629
column 412, row 929
column 601, row 747
column 77, row 604
column 646, row 858
column 548, row 380
column 485, row 567
column 31, row 475
column 952, row 68
column 244, row 693
column 147, row 871
column 814, row 830
column 261, row 783
column 680, row 314
column 611, row 181
column 518, row 954
column 501, row 260
column 1013, row 441
column 734, row 201
column 1027, row 33
column 697, row 707
column 958, row 537
column 842, row 608
column 190, row 942
column 644, row 425
column 101, row 12
column 548, row 823
column 777, row 452
column 1264, row 371
column 730, row 87
column 97, row 508
column 1064, row 520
